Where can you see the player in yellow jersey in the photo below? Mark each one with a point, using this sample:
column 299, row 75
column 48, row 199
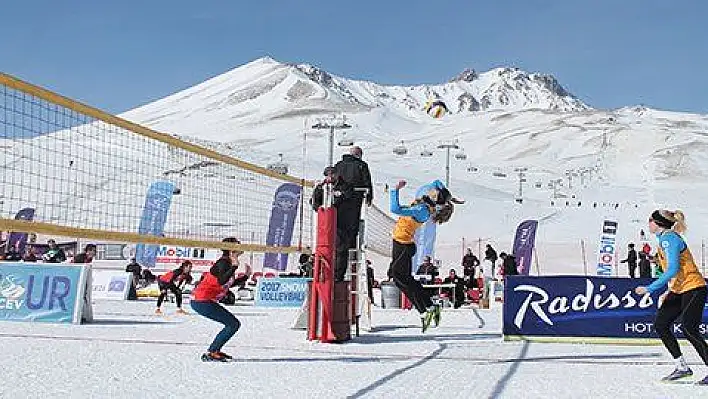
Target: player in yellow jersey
column 686, row 294
column 411, row 218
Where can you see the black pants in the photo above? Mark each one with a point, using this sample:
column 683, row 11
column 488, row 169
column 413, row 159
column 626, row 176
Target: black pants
column 348, row 215
column 163, row 293
column 632, row 269
column 689, row 306
column 400, row 270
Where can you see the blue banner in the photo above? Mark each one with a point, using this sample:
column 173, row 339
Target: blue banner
column 579, row 306
column 281, row 292
column 282, row 222
column 41, row 293
column 152, row 222
column 18, row 241
column 524, row 242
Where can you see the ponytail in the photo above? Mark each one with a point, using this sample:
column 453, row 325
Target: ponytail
column 680, row 224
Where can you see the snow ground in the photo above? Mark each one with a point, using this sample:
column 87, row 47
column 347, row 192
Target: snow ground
column 128, row 352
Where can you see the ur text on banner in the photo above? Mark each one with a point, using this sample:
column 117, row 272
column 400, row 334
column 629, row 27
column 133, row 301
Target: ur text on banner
column 42, row 292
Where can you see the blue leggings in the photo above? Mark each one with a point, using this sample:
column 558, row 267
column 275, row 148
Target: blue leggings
column 214, row 311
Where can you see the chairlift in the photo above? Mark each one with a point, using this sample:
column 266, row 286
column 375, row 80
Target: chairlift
column 539, row 184
column 426, row 153
column 461, row 156
column 280, row 166
column 499, row 174
column 345, row 141
column 400, row 149
column 472, row 169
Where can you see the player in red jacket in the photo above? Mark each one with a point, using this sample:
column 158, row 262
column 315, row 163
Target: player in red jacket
column 205, row 299
column 173, row 281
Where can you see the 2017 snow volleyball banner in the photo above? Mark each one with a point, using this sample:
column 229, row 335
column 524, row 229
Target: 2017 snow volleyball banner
column 581, row 306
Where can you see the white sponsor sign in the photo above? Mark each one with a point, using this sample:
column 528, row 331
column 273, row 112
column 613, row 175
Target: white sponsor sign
column 111, row 284
column 607, row 253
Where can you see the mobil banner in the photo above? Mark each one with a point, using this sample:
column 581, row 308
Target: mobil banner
column 42, row 292
column 281, row 225
column 524, row 242
column 607, row 253
column 281, row 292
column 110, row 284
column 579, row 306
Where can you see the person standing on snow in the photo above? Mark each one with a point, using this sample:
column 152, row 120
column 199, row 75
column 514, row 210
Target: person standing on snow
column 686, row 292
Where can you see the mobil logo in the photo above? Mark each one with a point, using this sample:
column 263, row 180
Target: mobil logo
column 174, row 252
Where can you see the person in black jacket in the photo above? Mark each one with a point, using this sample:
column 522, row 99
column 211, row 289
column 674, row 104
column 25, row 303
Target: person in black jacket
column 354, row 172
column 631, row 261
column 509, row 265
column 491, row 255
column 644, row 265
column 54, row 254
column 469, row 264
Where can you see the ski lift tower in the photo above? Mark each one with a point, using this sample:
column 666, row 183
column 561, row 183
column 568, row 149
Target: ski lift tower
column 332, row 124
column 522, row 179
column 448, row 146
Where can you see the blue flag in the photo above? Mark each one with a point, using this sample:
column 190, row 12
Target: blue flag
column 152, row 222
column 18, row 241
column 282, row 222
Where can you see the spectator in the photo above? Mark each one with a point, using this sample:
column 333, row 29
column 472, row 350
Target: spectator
column 469, row 264
column 644, row 265
column 427, row 268
column 370, row 280
column 86, row 256
column 29, row 254
column 305, row 268
column 54, row 254
column 509, row 264
column 134, row 268
column 631, row 260
column 491, row 255
column 354, row 172
column 458, row 293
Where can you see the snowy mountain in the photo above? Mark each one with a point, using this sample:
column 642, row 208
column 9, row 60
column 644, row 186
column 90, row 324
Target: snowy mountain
column 269, row 90
column 582, row 164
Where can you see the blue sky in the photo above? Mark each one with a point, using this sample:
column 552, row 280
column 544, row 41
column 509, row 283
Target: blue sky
column 120, row 54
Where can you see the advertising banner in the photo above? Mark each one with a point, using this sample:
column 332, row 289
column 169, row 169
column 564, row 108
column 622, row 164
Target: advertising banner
column 607, row 253
column 282, row 222
column 111, row 284
column 153, row 219
column 18, row 241
column 579, row 306
column 42, row 292
column 281, row 292
column 524, row 242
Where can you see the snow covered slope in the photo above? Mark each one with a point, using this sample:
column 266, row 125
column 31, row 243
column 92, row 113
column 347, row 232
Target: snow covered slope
column 581, row 164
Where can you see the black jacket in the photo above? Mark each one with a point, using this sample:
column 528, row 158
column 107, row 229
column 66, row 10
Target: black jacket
column 510, row 266
column 631, row 257
column 490, row 254
column 223, row 270
column 355, row 172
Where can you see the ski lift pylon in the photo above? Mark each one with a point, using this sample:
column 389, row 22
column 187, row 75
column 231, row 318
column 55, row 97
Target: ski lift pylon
column 400, row 149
